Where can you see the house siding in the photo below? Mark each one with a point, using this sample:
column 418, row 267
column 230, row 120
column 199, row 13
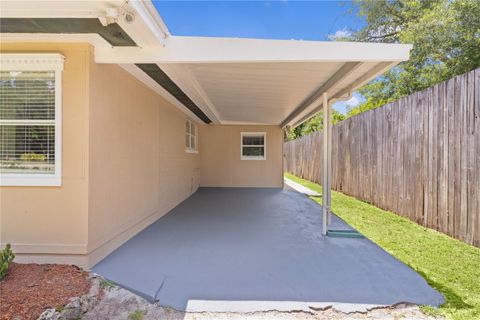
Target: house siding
column 139, row 169
column 221, row 165
column 124, row 166
column 49, row 224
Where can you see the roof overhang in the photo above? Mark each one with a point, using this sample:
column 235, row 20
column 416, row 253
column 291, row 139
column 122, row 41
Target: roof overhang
column 219, row 80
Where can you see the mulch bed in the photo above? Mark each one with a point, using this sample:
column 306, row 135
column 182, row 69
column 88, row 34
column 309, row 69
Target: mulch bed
column 29, row 289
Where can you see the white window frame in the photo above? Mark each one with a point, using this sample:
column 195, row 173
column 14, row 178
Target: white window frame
column 189, row 149
column 37, row 62
column 250, row 134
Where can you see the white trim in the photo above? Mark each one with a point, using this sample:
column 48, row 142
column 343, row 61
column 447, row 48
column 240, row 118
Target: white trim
column 189, row 149
column 244, row 123
column 180, row 49
column 38, row 62
column 26, row 122
column 250, row 134
column 30, row 180
column 31, row 62
column 152, row 19
column 91, row 38
column 380, row 68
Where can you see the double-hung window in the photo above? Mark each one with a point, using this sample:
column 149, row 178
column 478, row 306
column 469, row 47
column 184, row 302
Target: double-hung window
column 253, row 146
column 30, row 119
column 191, row 137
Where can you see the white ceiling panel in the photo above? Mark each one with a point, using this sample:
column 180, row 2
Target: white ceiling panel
column 259, row 92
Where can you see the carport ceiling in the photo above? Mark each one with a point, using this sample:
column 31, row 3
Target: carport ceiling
column 267, row 92
column 259, row 92
column 257, row 81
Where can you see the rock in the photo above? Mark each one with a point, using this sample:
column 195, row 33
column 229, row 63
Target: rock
column 74, row 303
column 49, row 314
column 71, row 313
column 86, row 302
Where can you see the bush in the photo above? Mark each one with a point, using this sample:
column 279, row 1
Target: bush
column 6, row 257
column 33, row 157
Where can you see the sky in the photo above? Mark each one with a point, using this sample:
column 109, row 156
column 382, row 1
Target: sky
column 300, row 20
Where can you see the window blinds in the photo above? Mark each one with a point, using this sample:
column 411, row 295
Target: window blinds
column 27, row 122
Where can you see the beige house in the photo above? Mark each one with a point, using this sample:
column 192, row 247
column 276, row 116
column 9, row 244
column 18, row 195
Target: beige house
column 108, row 121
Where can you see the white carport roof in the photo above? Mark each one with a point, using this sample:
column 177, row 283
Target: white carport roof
column 219, row 80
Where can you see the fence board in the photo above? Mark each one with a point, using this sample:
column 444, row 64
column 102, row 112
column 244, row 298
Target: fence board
column 418, row 157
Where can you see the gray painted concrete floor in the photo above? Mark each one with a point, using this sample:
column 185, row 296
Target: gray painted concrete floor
column 243, row 249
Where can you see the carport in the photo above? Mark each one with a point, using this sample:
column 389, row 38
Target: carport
column 250, row 249
column 221, row 248
column 259, row 82
column 254, row 248
column 215, row 81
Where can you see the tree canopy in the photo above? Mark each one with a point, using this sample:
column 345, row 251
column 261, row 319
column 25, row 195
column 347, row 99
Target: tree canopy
column 312, row 125
column 446, row 42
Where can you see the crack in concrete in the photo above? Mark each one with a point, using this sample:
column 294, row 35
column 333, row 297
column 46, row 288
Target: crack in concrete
column 366, row 309
column 155, row 297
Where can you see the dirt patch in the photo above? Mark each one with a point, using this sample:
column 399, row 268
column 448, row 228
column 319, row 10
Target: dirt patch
column 28, row 289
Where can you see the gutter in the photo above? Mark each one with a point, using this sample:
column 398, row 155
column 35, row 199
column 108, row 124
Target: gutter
column 152, row 19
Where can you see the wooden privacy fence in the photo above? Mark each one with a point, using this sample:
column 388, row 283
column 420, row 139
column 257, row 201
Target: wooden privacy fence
column 418, row 157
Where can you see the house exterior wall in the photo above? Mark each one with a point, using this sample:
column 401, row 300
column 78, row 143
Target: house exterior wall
column 139, row 169
column 221, row 165
column 124, row 166
column 49, row 224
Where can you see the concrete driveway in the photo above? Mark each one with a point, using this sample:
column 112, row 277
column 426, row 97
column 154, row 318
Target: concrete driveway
column 247, row 249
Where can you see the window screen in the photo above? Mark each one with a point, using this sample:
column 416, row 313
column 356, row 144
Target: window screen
column 27, row 122
column 253, row 146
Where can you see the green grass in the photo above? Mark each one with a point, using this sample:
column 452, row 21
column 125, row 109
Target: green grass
column 450, row 266
column 136, row 315
column 107, row 284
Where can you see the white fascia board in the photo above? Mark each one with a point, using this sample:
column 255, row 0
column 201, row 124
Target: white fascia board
column 92, row 38
column 244, row 123
column 152, row 19
column 55, row 8
column 235, row 50
column 338, row 96
column 147, row 29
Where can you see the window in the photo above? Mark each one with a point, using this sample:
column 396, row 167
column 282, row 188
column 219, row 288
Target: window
column 253, row 146
column 191, row 140
column 30, row 119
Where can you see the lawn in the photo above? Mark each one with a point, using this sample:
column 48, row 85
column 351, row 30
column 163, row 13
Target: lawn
column 449, row 265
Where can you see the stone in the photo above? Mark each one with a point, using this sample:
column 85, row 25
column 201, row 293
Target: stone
column 74, row 303
column 71, row 313
column 49, row 314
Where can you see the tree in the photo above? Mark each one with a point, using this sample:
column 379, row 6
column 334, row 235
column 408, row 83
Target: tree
column 312, row 125
column 446, row 42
